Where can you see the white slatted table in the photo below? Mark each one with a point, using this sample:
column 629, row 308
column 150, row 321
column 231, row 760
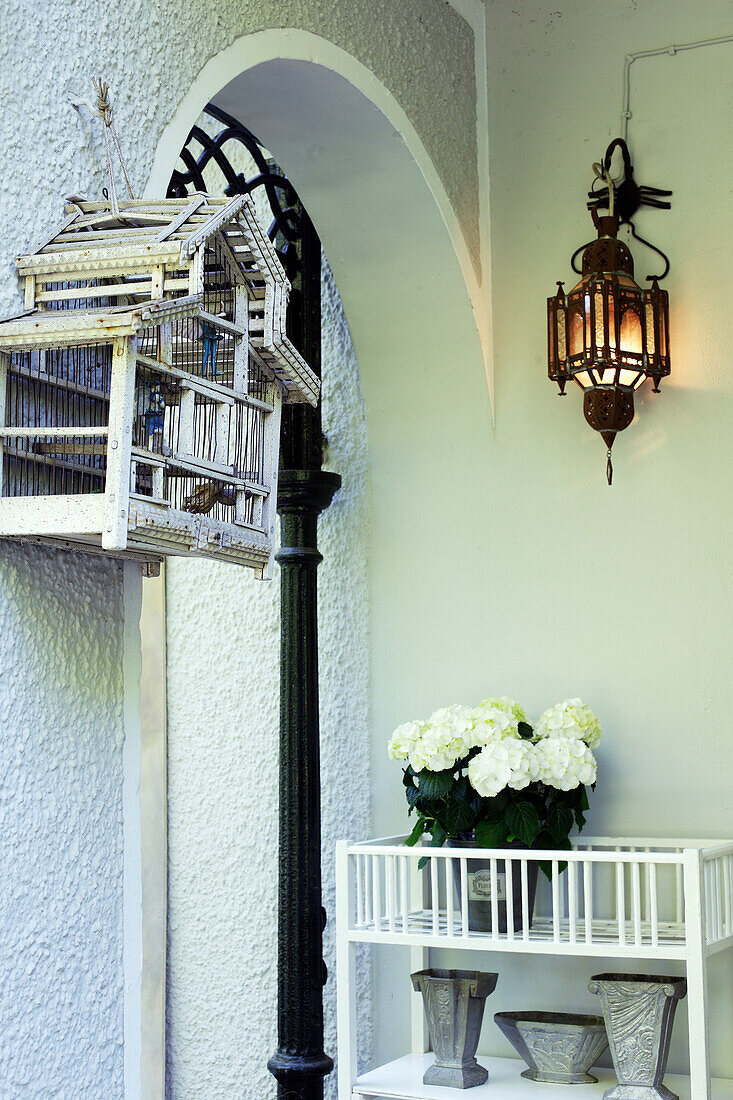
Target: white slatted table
column 619, row 898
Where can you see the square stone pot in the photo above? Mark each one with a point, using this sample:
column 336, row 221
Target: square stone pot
column 454, row 1003
column 639, row 1012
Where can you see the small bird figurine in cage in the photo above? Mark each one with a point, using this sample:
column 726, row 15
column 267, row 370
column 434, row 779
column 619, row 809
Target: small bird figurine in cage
column 207, row 495
column 210, row 337
column 154, row 418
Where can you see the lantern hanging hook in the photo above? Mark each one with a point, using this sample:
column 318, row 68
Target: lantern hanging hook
column 625, row 196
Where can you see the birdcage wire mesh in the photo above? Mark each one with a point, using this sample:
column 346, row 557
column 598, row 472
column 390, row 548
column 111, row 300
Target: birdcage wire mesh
column 57, row 388
column 230, row 435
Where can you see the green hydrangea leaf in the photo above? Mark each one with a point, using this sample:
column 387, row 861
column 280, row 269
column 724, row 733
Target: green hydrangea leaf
column 523, row 820
column 458, row 817
column 417, row 832
column 434, row 784
column 559, row 821
column 491, row 834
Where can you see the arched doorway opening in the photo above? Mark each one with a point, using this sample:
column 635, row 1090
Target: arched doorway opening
column 398, row 263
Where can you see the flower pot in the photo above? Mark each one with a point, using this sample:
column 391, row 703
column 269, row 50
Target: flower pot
column 454, row 1005
column 639, row 1012
column 558, row 1047
column 479, row 889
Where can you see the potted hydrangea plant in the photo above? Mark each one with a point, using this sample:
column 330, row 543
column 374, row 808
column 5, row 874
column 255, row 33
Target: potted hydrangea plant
column 484, row 777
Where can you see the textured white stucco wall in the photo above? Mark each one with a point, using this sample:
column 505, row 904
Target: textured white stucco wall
column 423, row 52
column 61, row 745
column 223, row 696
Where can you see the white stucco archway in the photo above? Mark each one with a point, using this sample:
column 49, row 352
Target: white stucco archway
column 417, row 312
column 362, row 170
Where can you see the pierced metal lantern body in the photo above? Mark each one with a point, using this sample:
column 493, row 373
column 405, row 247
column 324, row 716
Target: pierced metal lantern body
column 608, row 334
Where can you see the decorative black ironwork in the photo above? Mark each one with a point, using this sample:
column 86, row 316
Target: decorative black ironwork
column 304, row 491
column 628, row 197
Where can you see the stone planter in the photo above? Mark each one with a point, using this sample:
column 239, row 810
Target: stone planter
column 639, row 1012
column 454, row 1004
column 479, row 889
column 558, row 1047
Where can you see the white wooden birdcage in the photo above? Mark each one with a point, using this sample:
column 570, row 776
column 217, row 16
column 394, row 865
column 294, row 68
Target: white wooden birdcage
column 140, row 390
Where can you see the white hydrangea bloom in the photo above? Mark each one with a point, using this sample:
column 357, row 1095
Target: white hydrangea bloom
column 404, row 739
column 439, row 748
column 564, row 763
column 502, row 763
column 495, row 719
column 571, row 718
column 456, row 720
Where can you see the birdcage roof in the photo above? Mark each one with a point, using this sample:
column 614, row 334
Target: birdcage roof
column 93, row 243
column 158, row 229
column 36, row 328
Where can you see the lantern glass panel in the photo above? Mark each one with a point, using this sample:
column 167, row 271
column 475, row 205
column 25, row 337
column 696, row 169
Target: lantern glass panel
column 561, row 347
column 650, row 333
column 630, row 334
column 576, row 334
column 600, row 333
column 583, row 379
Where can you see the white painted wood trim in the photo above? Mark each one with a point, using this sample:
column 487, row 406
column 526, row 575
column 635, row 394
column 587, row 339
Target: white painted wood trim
column 178, row 221
column 59, row 516
column 185, row 421
column 697, row 1009
column 241, row 346
column 121, row 411
column 270, row 472
column 217, row 220
column 153, row 803
column 419, row 960
column 132, row 957
column 346, row 981
column 4, row 365
column 56, row 433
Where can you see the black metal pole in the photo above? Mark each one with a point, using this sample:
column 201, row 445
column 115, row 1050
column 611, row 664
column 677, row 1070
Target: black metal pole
column 304, row 491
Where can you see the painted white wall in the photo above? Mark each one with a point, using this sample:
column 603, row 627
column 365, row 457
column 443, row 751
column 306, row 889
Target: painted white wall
column 541, row 581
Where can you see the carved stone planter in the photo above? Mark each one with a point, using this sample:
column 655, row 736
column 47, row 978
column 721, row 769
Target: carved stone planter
column 558, row 1047
column 454, row 1003
column 639, row 1012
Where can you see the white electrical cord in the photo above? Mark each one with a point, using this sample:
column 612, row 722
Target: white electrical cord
column 671, row 50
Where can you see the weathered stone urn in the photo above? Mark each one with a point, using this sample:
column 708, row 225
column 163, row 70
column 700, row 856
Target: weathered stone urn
column 454, row 1004
column 639, row 1012
column 558, row 1047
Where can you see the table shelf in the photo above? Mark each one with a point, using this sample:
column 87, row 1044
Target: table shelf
column 618, row 899
column 402, row 1080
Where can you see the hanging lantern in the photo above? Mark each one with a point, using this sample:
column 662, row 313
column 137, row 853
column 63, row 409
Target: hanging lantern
column 608, row 334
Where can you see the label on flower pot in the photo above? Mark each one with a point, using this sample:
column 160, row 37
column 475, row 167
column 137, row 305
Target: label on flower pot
column 479, row 886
